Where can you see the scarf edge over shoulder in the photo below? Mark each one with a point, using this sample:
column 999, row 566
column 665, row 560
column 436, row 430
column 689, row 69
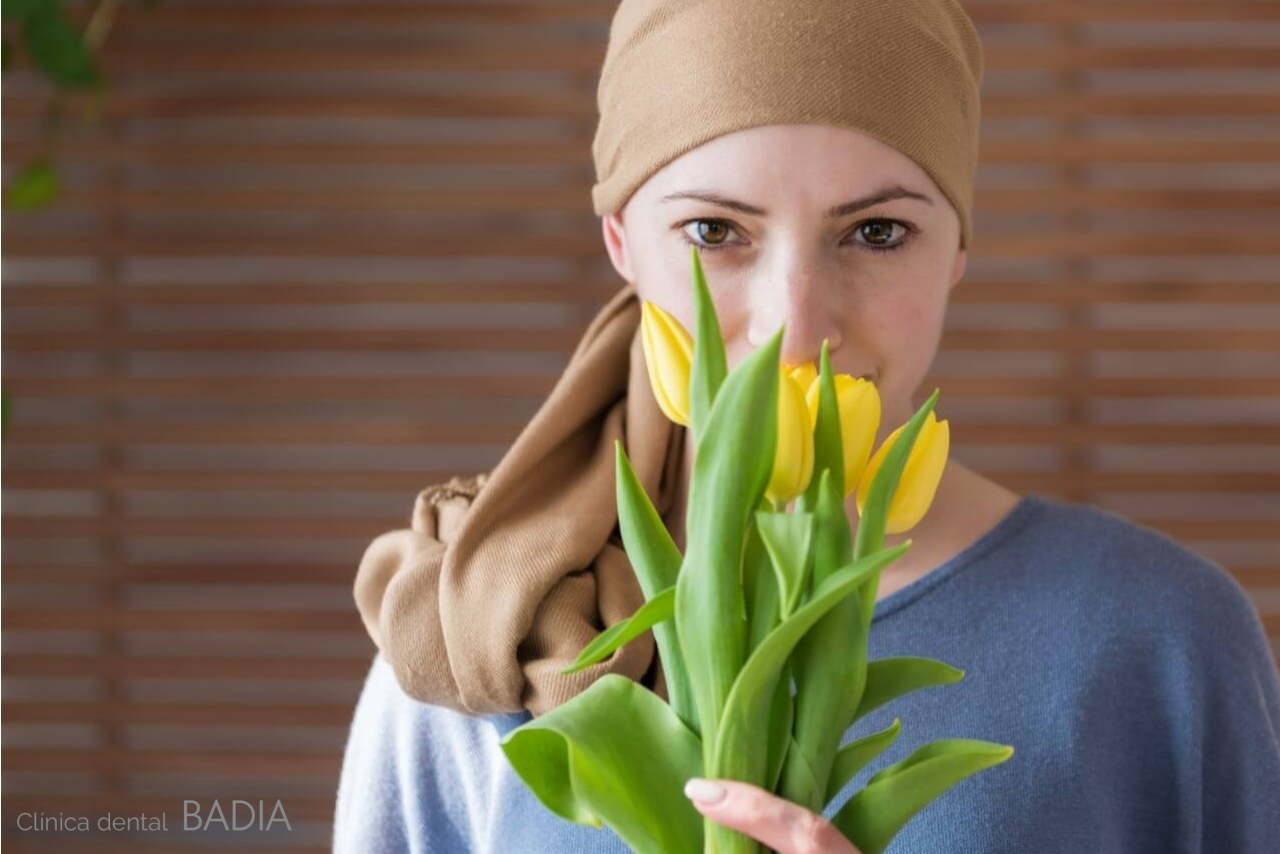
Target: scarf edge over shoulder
column 504, row 576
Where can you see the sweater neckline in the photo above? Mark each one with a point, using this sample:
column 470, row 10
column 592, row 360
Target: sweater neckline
column 1019, row 516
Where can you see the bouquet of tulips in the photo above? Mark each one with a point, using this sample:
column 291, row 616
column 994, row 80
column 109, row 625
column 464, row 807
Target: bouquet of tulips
column 762, row 623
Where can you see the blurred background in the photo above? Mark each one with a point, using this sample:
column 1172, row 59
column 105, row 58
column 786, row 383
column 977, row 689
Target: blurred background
column 270, row 268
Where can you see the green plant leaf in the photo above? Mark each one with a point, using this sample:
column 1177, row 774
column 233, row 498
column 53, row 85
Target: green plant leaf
column 710, row 364
column 786, row 537
column 896, row 793
column 747, row 706
column 890, row 678
column 652, row 612
column 57, row 47
column 760, row 588
column 731, row 469
column 656, row 560
column 34, row 187
column 853, row 757
column 799, row 778
column 830, row 662
column 781, row 715
column 614, row 754
column 828, row 440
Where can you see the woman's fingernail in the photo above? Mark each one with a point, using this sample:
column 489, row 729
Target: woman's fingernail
column 703, row 791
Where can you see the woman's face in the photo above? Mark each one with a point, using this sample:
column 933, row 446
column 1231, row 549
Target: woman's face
column 786, row 236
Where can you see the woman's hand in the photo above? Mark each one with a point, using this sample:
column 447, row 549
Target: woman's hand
column 785, row 827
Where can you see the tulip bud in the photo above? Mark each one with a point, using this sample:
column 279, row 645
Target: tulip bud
column 920, row 476
column 668, row 355
column 803, row 374
column 793, row 459
column 858, row 402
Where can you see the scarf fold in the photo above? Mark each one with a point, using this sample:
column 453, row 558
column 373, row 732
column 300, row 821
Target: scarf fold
column 504, row 576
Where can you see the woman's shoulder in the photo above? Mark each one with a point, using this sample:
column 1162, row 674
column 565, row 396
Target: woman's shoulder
column 1135, row 572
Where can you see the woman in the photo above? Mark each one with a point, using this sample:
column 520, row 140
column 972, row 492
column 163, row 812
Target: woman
column 1131, row 674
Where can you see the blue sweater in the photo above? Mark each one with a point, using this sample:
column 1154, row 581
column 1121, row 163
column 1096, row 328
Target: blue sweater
column 1131, row 675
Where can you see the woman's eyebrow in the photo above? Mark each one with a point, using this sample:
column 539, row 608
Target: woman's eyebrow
column 885, row 195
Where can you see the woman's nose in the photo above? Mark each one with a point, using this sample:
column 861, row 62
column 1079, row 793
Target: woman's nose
column 809, row 318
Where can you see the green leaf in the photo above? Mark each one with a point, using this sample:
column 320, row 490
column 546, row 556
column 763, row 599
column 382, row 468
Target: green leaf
column 853, row 757
column 890, row 678
column 799, row 778
column 786, row 537
column 710, row 365
column 652, row 612
column 828, row 438
column 781, row 715
column 893, row 795
column 57, row 47
column 4, row 411
column 731, row 468
column 830, row 662
column 614, row 754
column 760, row 589
column 33, row 187
column 747, row 705
column 656, row 560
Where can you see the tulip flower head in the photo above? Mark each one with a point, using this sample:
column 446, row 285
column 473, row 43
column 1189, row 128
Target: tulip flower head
column 920, row 476
column 668, row 355
column 858, row 402
column 793, row 460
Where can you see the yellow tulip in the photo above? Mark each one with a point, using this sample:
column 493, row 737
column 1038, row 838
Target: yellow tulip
column 920, row 476
column 668, row 355
column 793, row 460
column 803, row 374
column 858, row 402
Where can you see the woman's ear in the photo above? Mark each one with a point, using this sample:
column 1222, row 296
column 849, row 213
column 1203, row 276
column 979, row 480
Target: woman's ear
column 615, row 244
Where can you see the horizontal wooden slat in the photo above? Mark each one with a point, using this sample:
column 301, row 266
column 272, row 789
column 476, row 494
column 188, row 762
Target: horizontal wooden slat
column 195, row 482
column 182, row 619
column 309, row 714
column 355, row 527
column 142, row 572
column 170, row 761
column 564, row 340
column 589, row 293
column 505, row 432
column 516, row 386
column 384, row 105
column 571, row 151
column 185, row 667
column 981, row 11
column 501, row 54
column 1226, row 243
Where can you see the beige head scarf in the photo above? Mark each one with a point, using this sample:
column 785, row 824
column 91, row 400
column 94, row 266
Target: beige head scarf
column 678, row 73
column 503, row 577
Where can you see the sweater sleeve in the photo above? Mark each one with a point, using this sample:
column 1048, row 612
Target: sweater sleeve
column 1241, row 734
column 390, row 799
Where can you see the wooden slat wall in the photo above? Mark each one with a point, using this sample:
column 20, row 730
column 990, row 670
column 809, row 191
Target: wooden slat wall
column 318, row 256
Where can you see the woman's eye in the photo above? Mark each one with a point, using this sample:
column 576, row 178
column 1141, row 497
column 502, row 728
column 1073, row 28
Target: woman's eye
column 879, row 235
column 706, row 233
